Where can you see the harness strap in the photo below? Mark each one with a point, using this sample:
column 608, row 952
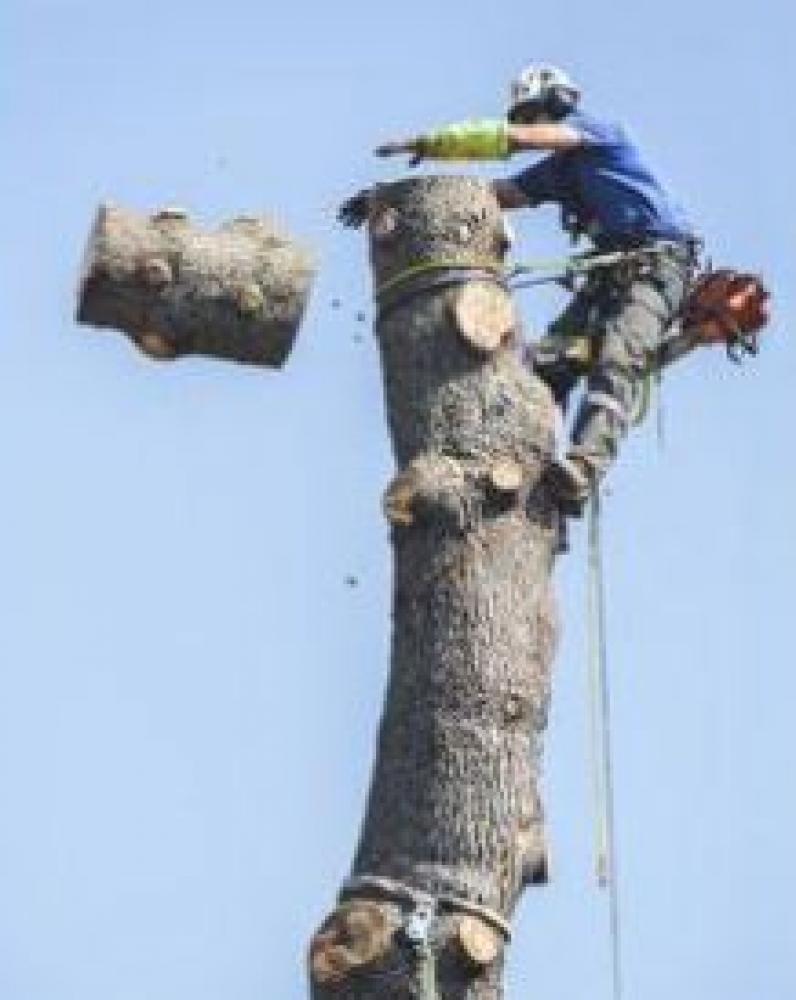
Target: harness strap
column 367, row 885
column 607, row 402
column 556, row 268
column 427, row 266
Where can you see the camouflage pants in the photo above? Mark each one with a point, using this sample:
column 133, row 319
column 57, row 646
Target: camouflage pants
column 609, row 333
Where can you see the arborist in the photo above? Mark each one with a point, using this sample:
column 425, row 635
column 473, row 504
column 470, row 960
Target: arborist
column 608, row 194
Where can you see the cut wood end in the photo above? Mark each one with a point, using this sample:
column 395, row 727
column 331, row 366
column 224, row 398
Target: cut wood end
column 506, row 475
column 383, row 221
column 356, row 934
column 478, row 942
column 156, row 346
column 484, row 315
column 397, row 502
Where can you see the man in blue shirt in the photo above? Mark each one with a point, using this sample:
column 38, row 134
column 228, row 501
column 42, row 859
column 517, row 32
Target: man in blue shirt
column 606, row 192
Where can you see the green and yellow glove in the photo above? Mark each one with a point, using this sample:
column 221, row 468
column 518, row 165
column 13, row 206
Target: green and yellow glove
column 483, row 139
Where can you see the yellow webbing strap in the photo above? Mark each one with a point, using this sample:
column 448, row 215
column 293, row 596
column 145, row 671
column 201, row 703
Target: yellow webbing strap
column 555, row 267
column 428, row 266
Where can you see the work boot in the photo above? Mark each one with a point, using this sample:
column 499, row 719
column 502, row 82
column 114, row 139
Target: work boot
column 570, row 480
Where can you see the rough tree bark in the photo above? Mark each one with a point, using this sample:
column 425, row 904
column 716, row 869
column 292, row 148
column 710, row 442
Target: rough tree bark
column 238, row 293
column 453, row 830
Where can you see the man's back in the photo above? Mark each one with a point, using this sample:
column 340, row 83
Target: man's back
column 604, row 186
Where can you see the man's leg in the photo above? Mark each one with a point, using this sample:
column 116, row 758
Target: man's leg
column 631, row 332
column 553, row 366
column 560, row 358
column 562, row 355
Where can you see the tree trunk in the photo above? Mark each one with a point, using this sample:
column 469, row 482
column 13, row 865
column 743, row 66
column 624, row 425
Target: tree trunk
column 238, row 293
column 453, row 829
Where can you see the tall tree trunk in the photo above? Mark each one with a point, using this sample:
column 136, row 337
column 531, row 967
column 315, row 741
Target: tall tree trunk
column 453, row 829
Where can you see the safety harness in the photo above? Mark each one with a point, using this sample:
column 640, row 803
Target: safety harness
column 723, row 306
column 422, row 275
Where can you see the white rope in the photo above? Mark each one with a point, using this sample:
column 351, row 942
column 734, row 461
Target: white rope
column 602, row 764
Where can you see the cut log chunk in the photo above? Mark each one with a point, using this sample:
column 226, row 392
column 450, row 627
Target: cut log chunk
column 156, row 346
column 484, row 315
column 238, row 293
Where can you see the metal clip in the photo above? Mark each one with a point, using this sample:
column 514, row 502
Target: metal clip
column 417, row 927
column 417, row 931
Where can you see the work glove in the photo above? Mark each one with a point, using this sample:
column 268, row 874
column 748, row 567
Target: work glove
column 483, row 139
column 353, row 212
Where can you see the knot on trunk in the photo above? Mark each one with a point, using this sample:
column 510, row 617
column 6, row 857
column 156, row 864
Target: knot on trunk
column 454, row 493
column 431, row 486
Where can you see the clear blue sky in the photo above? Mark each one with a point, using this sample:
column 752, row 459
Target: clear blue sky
column 189, row 691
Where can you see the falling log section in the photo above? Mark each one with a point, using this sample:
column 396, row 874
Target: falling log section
column 453, row 830
column 238, row 293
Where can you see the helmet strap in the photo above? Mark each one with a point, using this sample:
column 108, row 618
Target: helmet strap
column 559, row 102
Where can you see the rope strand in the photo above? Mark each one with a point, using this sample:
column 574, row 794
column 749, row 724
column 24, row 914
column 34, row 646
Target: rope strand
column 605, row 846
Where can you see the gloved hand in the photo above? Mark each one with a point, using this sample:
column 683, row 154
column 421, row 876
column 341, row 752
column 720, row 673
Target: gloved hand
column 353, row 212
column 484, row 139
column 413, row 146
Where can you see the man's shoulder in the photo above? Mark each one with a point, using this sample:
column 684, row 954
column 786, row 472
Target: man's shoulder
column 596, row 130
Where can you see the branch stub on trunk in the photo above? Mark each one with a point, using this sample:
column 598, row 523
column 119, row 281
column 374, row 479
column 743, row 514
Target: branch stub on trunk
column 506, row 475
column 357, row 934
column 478, row 942
column 484, row 315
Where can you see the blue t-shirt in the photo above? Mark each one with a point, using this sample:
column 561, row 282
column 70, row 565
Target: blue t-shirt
column 605, row 186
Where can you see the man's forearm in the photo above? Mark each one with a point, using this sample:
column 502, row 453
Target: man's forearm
column 545, row 135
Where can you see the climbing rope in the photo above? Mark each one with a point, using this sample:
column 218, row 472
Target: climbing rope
column 660, row 412
column 602, row 763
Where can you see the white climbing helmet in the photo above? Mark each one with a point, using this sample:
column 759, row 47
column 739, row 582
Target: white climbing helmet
column 539, row 87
